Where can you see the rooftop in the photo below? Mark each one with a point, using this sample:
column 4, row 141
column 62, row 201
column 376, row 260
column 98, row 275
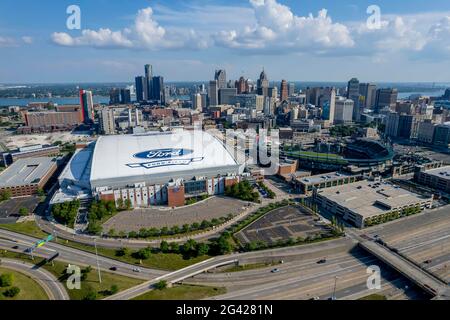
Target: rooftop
column 26, row 171
column 442, row 172
column 330, row 176
column 368, row 198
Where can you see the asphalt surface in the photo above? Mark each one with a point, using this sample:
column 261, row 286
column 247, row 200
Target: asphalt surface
column 9, row 239
column 54, row 289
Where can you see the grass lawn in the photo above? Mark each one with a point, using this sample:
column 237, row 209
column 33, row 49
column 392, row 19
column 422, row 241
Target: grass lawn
column 163, row 261
column 91, row 284
column 374, row 296
column 27, row 227
column 29, row 289
column 182, row 292
column 249, row 267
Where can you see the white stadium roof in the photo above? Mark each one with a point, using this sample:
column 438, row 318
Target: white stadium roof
column 121, row 159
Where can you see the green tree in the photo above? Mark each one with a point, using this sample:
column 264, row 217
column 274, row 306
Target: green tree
column 11, row 292
column 23, row 211
column 6, row 280
column 164, row 246
column 161, row 285
column 114, row 289
column 122, row 252
column 5, row 195
column 91, row 295
column 202, row 249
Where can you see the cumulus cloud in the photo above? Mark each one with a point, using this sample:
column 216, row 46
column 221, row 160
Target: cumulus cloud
column 145, row 33
column 7, row 42
column 277, row 26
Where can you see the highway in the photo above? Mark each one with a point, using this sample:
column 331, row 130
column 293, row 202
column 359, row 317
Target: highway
column 305, row 279
column 10, row 239
column 267, row 255
column 54, row 289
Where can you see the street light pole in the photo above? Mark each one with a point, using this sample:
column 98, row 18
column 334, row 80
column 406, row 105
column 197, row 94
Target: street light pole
column 334, row 290
column 98, row 264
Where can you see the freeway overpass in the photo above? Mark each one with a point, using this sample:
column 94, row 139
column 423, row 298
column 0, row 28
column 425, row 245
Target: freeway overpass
column 422, row 278
column 174, row 277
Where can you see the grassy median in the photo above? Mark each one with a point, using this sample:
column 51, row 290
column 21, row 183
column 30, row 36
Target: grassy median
column 182, row 292
column 91, row 288
column 29, row 289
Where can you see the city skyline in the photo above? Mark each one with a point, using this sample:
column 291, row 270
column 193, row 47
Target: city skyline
column 186, row 41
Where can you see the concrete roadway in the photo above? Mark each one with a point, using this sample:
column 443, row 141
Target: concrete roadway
column 307, row 279
column 10, row 239
column 54, row 289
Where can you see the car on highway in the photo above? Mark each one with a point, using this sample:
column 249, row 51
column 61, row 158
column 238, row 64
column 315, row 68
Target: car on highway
column 15, row 247
column 275, row 270
column 428, row 261
column 322, row 261
column 113, row 268
column 136, row 270
column 315, row 298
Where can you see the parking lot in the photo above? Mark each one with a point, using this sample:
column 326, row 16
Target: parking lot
column 283, row 224
column 10, row 208
column 215, row 207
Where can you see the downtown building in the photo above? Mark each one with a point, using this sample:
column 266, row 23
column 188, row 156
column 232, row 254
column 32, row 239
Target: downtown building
column 151, row 169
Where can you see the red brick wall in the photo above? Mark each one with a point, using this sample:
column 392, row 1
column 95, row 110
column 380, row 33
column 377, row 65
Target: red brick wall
column 107, row 196
column 175, row 196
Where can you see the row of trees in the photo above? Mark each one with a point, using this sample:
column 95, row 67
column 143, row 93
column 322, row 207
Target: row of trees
column 242, row 190
column 66, row 212
column 390, row 216
column 98, row 212
column 262, row 245
column 270, row 193
column 342, row 131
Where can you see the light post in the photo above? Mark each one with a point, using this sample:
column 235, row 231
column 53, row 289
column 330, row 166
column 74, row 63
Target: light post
column 334, row 290
column 98, row 264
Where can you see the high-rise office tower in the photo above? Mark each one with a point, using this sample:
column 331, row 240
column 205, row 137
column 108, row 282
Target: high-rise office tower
column 385, row 98
column 263, row 84
column 158, row 90
column 291, row 89
column 213, row 93
column 87, row 105
column 125, row 96
column 114, row 96
column 241, row 85
column 353, row 94
column 328, row 103
column 149, row 79
column 141, row 88
column 197, row 102
column 107, row 123
column 392, row 122
column 221, row 78
column 226, row 95
column 368, row 91
column 284, row 91
column 343, row 111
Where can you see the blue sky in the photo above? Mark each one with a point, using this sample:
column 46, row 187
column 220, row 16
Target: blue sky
column 188, row 39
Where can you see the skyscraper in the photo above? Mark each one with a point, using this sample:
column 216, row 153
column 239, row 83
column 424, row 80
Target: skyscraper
column 291, row 88
column 241, row 86
column 107, row 123
column 125, row 96
column 87, row 105
column 141, row 87
column 385, row 98
column 284, row 91
column 114, row 96
column 226, row 95
column 262, row 84
column 368, row 90
column 148, row 80
column 343, row 111
column 213, row 93
column 328, row 102
column 353, row 94
column 221, row 78
column 158, row 90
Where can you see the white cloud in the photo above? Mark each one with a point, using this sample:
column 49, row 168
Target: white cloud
column 27, row 39
column 278, row 27
column 145, row 33
column 7, row 42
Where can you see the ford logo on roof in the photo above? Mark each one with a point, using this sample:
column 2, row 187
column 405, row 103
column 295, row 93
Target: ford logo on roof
column 163, row 153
